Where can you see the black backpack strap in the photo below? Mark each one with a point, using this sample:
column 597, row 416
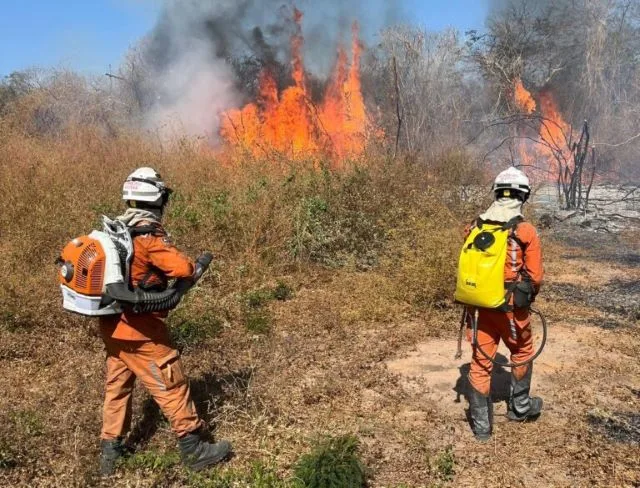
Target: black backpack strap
column 513, row 223
column 522, row 245
column 140, row 230
column 522, row 272
column 513, row 235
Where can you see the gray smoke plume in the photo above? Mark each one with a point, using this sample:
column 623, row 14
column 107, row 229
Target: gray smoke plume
column 191, row 50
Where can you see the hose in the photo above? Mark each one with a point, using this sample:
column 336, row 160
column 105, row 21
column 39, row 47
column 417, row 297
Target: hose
column 474, row 340
column 141, row 301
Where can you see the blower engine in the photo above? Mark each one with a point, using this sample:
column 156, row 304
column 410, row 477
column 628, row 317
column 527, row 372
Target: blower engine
column 94, row 275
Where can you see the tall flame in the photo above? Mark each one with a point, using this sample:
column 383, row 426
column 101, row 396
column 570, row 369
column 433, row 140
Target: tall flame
column 291, row 123
column 553, row 132
column 526, row 104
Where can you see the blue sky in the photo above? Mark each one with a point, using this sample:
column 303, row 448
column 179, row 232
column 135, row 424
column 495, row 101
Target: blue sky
column 88, row 35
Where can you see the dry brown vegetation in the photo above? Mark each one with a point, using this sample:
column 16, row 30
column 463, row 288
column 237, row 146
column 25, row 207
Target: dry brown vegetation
column 309, row 265
column 320, row 278
column 323, row 280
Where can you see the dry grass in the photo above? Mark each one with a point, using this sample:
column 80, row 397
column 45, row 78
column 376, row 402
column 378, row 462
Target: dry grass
column 366, row 257
column 360, row 249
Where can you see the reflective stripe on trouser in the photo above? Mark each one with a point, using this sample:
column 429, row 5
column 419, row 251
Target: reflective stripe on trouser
column 493, row 326
column 159, row 368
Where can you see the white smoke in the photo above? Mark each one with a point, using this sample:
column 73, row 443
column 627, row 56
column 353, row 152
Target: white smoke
column 188, row 51
column 197, row 90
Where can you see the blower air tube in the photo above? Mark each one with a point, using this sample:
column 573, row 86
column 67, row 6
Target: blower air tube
column 141, row 301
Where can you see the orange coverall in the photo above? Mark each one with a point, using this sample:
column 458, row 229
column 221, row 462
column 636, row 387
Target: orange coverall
column 494, row 325
column 138, row 345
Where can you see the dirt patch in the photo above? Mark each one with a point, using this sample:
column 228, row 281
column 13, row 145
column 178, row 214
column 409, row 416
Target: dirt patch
column 432, row 372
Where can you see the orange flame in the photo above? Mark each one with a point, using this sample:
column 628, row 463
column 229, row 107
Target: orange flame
column 554, row 130
column 291, row 123
column 553, row 133
column 522, row 96
column 525, row 103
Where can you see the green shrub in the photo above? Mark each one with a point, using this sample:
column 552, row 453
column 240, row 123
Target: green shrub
column 445, row 464
column 256, row 317
column 334, row 463
column 257, row 299
column 219, row 206
column 12, row 322
column 189, row 332
column 27, row 422
column 310, row 235
column 255, row 190
column 183, row 214
column 339, row 220
column 8, row 458
column 257, row 321
column 282, row 292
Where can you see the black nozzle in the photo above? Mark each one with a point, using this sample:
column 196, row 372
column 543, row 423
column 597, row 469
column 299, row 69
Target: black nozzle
column 202, row 264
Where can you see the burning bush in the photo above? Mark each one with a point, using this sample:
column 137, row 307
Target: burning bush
column 291, row 123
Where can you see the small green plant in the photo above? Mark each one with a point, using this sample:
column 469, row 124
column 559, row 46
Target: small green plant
column 8, row 458
column 310, row 235
column 152, row 460
column 282, row 291
column 28, row 422
column 219, row 205
column 334, row 463
column 185, row 216
column 12, row 322
column 257, row 318
column 445, row 464
column 257, row 189
column 188, row 332
column 257, row 321
column 257, row 298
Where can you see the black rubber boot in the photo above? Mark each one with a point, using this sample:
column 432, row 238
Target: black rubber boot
column 197, row 454
column 522, row 406
column 111, row 451
column 480, row 414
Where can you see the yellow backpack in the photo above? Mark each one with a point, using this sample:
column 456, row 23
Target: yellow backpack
column 480, row 280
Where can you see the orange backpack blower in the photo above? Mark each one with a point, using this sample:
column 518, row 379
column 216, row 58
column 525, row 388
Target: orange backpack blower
column 94, row 275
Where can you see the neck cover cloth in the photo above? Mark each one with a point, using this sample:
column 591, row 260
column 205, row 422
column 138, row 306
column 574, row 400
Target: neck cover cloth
column 503, row 210
column 133, row 216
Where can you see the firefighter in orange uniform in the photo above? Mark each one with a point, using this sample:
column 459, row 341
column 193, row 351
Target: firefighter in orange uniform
column 138, row 344
column 523, row 264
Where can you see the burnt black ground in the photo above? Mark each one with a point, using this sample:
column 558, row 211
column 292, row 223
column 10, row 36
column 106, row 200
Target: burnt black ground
column 619, row 298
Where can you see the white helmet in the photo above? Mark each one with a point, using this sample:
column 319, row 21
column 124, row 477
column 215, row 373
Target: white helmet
column 145, row 185
column 512, row 179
